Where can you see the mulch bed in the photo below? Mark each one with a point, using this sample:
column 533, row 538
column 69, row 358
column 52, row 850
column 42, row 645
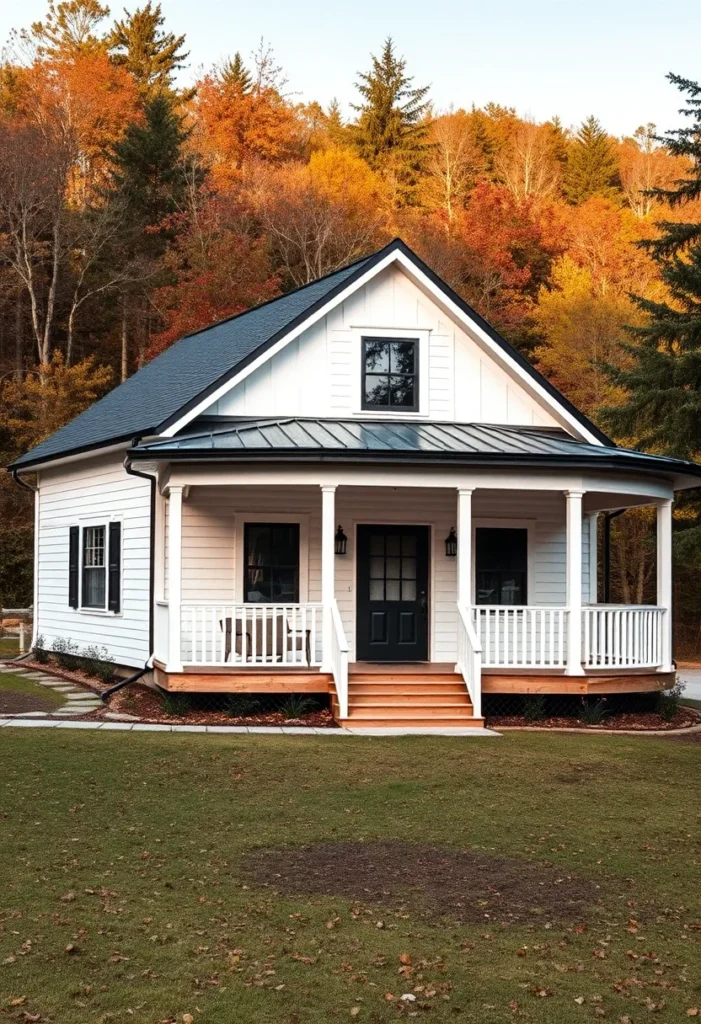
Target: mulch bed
column 147, row 705
column 644, row 721
column 434, row 881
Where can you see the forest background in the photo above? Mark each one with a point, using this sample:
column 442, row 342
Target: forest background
column 133, row 212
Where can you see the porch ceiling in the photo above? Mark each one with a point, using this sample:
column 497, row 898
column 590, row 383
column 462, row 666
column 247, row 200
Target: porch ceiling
column 305, row 439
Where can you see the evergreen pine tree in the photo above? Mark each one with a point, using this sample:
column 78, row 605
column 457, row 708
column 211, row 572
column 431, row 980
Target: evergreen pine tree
column 663, row 408
column 148, row 172
column 391, row 130
column 139, row 44
column 592, row 168
column 235, row 75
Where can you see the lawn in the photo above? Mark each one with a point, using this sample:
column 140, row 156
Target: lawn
column 133, row 869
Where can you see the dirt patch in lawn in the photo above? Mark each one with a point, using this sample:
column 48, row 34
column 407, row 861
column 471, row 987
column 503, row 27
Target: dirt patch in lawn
column 13, row 702
column 434, row 881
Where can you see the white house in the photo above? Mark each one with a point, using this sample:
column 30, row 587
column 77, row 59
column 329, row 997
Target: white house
column 358, row 488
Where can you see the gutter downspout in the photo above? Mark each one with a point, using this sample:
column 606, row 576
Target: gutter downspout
column 608, row 517
column 106, row 694
column 152, row 548
column 35, row 583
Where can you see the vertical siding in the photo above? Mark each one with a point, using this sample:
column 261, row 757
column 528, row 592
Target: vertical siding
column 96, row 489
column 318, row 374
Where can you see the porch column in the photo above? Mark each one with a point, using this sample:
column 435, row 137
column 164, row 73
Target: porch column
column 175, row 562
column 328, row 565
column 664, row 579
column 464, row 546
column 574, row 583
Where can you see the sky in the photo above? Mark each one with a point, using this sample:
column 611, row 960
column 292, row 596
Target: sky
column 572, row 58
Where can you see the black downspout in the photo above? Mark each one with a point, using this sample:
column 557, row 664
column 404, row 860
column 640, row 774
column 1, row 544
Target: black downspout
column 106, row 694
column 607, row 552
column 152, row 549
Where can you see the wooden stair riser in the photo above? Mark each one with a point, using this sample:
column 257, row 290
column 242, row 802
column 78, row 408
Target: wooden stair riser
column 411, row 693
column 428, row 722
column 399, row 700
column 407, row 680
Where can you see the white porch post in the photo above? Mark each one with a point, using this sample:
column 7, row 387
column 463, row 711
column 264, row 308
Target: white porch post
column 574, row 583
column 464, row 546
column 664, row 579
column 175, row 562
column 328, row 566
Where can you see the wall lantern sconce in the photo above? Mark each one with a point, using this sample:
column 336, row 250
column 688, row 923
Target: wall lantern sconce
column 341, row 541
column 451, row 543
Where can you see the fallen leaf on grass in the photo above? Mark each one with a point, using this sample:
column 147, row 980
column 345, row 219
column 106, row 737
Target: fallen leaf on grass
column 693, row 1011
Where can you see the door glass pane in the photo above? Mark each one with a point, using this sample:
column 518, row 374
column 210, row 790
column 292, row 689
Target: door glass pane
column 408, row 568
column 409, row 544
column 408, row 590
column 377, row 590
column 377, row 544
column 377, row 568
column 393, row 568
column 392, row 590
column 393, row 542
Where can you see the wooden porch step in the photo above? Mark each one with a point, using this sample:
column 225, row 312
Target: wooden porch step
column 385, row 678
column 436, row 722
column 408, row 689
column 402, row 700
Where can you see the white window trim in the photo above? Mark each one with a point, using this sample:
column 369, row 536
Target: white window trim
column 422, row 335
column 84, row 524
column 272, row 516
column 507, row 524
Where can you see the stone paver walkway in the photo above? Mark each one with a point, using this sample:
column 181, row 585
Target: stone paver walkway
column 78, row 701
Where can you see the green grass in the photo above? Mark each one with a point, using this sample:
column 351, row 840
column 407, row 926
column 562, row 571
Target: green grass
column 9, row 645
column 20, row 684
column 123, row 898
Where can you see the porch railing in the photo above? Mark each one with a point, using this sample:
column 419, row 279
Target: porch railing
column 251, row 635
column 469, row 662
column 515, row 636
column 339, row 659
column 622, row 637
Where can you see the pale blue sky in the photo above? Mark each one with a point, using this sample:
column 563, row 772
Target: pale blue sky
column 570, row 57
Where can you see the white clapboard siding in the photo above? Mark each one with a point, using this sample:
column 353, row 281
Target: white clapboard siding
column 97, row 489
column 318, row 373
column 213, row 518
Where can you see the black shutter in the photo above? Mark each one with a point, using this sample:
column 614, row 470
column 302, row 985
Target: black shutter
column 115, row 563
column 73, row 565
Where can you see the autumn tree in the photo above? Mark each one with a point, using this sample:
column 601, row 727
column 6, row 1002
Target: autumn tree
column 139, row 44
column 69, row 29
column 663, row 406
column 646, row 165
column 592, row 168
column 452, row 164
column 391, row 129
column 527, row 164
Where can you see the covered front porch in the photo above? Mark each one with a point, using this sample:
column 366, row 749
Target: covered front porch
column 440, row 585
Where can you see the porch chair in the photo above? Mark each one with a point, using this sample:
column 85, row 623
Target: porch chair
column 296, row 640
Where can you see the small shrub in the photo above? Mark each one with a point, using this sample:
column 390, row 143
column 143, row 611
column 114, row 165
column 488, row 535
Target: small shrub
column 95, row 661
column 175, row 704
column 240, row 705
column 668, row 702
column 593, row 712
column 534, row 707
column 296, row 706
column 66, row 653
column 39, row 652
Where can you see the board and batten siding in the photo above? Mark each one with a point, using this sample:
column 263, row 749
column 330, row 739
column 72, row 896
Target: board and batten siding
column 318, row 373
column 96, row 490
column 213, row 519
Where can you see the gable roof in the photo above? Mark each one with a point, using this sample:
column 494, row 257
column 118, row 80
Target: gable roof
column 174, row 382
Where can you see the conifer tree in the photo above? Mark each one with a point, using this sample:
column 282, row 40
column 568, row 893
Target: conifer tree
column 391, row 130
column 151, row 55
column 234, row 74
column 663, row 409
column 592, row 168
column 69, row 29
column 148, row 173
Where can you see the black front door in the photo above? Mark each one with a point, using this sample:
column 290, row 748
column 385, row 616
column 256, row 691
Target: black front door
column 392, row 593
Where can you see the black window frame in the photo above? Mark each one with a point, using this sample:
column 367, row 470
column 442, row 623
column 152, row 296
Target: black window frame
column 247, row 527
column 499, row 572
column 364, row 374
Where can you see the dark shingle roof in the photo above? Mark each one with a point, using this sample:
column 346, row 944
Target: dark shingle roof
column 183, row 372
column 171, row 384
column 346, row 439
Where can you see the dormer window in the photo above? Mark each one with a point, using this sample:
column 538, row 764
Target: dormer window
column 390, row 374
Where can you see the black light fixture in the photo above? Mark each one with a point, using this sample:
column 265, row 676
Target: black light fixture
column 451, row 543
column 341, row 541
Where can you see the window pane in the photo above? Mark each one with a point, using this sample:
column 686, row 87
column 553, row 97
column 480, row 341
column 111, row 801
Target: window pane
column 392, row 587
column 393, row 544
column 401, row 392
column 271, row 562
column 408, row 568
column 403, row 357
column 408, row 590
column 377, row 544
column 393, row 568
column 377, row 590
column 376, row 356
column 409, row 545
column 94, row 588
column 376, row 390
column 377, row 568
